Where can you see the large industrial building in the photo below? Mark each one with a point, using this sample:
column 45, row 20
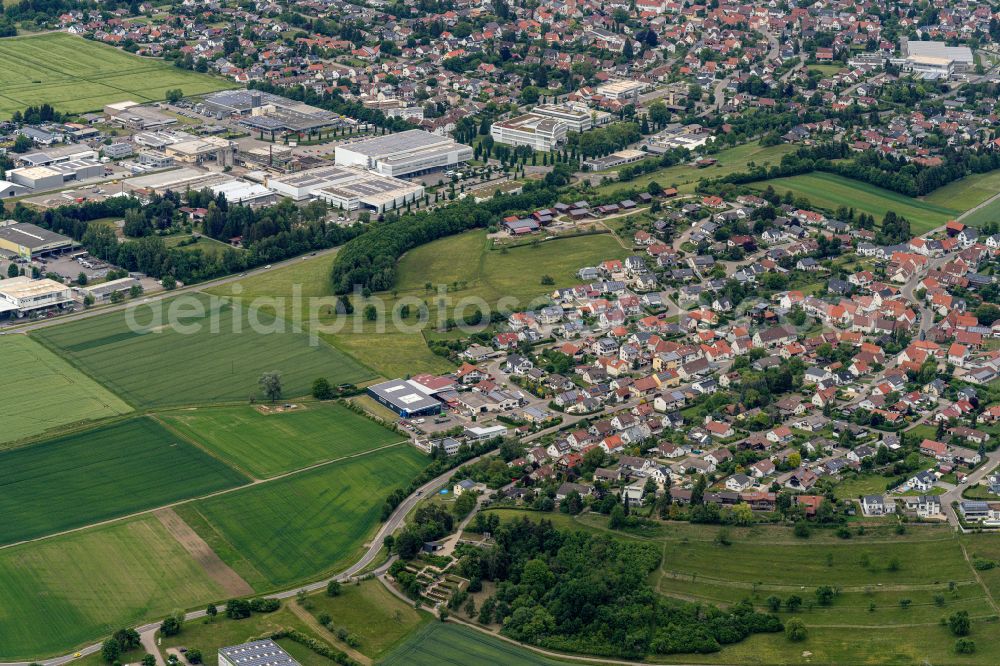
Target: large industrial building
column 936, row 60
column 55, row 175
column 21, row 239
column 21, row 296
column 576, row 119
column 403, row 154
column 349, row 188
column 203, row 149
column 264, row 652
column 406, row 397
column 264, row 112
column 137, row 116
column 539, row 132
column 622, row 90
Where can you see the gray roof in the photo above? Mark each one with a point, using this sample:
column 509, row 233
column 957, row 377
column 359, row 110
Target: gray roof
column 258, row 653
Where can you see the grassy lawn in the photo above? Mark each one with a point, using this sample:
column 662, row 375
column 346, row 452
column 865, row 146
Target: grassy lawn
column 266, row 445
column 304, row 525
column 830, row 191
column 446, row 643
column 854, row 486
column 310, row 275
column 102, row 473
column 75, row 75
column 966, row 193
column 826, row 70
column 988, row 213
column 209, row 636
column 41, row 391
column 369, row 611
column 70, row 590
column 209, row 246
column 212, row 353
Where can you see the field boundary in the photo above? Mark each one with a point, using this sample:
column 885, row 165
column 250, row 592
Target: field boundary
column 210, row 562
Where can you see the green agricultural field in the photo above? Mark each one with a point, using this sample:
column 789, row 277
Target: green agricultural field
column 266, row 445
column 684, row 177
column 209, row 246
column 304, row 525
column 831, row 191
column 75, row 75
column 41, row 391
column 447, row 643
column 966, row 193
column 379, row 619
column 212, row 355
column 63, row 592
column 988, row 213
column 101, row 473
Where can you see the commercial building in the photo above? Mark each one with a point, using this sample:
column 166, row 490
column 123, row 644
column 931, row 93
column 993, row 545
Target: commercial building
column 576, row 118
column 264, row 112
column 402, row 154
column 55, row 175
column 622, row 90
column 21, row 296
column 246, row 193
column 137, row 116
column 101, row 293
column 539, row 132
column 614, row 159
column 406, row 397
column 349, row 188
column 204, row 149
column 264, row 652
column 934, row 60
column 27, row 240
column 117, row 151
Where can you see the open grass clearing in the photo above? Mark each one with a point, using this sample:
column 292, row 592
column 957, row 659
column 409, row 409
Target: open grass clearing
column 988, row 213
column 379, row 619
column 75, row 75
column 63, row 592
column 966, row 193
column 305, row 525
column 208, row 352
column 209, row 246
column 41, row 391
column 830, row 191
column 102, row 473
column 684, row 177
column 439, row 643
column 268, row 444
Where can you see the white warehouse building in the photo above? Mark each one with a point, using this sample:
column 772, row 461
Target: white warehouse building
column 349, row 188
column 406, row 153
column 539, row 132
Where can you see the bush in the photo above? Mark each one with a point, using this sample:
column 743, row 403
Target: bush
column 170, row 627
column 238, row 609
column 959, row 623
column 333, row 588
column 801, row 529
column 773, row 603
column 263, row 605
column 193, row 655
column 965, row 646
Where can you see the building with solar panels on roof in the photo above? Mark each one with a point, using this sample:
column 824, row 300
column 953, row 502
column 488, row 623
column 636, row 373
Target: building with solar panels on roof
column 264, row 652
column 264, row 112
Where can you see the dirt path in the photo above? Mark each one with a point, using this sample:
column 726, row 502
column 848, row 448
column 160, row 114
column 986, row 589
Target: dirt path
column 322, row 631
column 217, row 570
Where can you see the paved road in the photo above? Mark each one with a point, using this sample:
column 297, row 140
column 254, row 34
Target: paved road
column 974, row 477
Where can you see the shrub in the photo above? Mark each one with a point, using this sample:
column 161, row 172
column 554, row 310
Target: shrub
column 264, row 605
column 193, row 655
column 795, row 630
column 965, row 646
column 959, row 623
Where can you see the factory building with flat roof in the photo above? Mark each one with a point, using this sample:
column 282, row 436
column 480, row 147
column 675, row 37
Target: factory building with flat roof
column 347, row 187
column 935, row 60
column 539, row 132
column 264, row 652
column 264, row 112
column 406, row 397
column 21, row 296
column 622, row 90
column 404, row 153
column 575, row 118
column 28, row 241
column 55, row 175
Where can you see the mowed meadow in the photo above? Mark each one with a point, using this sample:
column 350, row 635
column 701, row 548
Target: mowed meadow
column 305, row 525
column 198, row 361
column 41, row 392
column 76, row 75
column 102, row 473
column 265, row 445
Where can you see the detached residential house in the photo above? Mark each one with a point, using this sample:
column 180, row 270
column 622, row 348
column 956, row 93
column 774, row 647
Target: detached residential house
column 923, row 481
column 876, row 505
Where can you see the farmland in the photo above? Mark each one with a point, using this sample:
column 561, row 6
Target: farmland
column 73, row 588
column 831, row 191
column 211, row 355
column 266, row 445
column 101, row 473
column 75, row 75
column 438, row 643
column 931, row 572
column 966, row 193
column 41, row 391
column 988, row 213
column 303, row 525
column 684, row 177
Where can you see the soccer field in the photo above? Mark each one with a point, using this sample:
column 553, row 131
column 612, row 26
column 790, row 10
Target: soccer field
column 830, row 191
column 266, row 445
column 178, row 365
column 41, row 391
column 72, row 589
column 101, row 473
column 305, row 525
column 76, row 75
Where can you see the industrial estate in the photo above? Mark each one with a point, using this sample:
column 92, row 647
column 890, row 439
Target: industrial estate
column 499, row 333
